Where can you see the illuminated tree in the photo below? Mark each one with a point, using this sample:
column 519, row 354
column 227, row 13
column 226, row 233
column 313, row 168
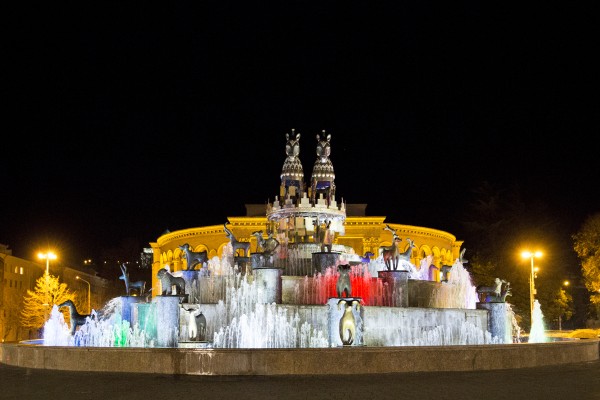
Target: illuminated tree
column 38, row 303
column 558, row 304
column 587, row 247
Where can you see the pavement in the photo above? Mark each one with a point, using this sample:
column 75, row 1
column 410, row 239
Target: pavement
column 565, row 381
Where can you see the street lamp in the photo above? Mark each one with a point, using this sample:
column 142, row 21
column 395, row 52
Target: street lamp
column 530, row 255
column 47, row 256
column 565, row 284
column 89, row 293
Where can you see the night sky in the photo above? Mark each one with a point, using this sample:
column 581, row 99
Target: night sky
column 123, row 122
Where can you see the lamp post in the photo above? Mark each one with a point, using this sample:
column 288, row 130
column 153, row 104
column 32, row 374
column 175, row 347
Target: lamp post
column 565, row 284
column 47, row 256
column 531, row 256
column 89, row 293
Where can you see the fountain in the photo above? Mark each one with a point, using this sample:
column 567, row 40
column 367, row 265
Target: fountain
column 239, row 312
column 301, row 291
column 537, row 332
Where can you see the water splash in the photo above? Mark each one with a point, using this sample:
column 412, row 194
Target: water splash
column 56, row 330
column 537, row 333
column 458, row 292
column 247, row 322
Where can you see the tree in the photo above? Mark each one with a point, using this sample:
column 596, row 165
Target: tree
column 587, row 246
column 558, row 304
column 38, row 303
column 498, row 225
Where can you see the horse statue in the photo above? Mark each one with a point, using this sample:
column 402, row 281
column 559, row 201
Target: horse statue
column 140, row 286
column 194, row 257
column 167, row 281
column 236, row 244
column 76, row 319
column 268, row 246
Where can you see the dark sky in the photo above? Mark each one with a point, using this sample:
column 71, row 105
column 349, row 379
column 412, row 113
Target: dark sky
column 125, row 121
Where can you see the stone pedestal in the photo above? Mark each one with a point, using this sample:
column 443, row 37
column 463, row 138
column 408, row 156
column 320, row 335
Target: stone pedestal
column 336, row 314
column 167, row 320
column 144, row 315
column 269, row 280
column 398, row 283
column 126, row 309
column 323, row 259
column 192, row 283
column 499, row 321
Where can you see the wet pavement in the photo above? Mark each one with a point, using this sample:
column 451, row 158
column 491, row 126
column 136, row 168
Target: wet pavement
column 567, row 381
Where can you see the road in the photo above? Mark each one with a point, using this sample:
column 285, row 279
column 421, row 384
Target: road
column 570, row 381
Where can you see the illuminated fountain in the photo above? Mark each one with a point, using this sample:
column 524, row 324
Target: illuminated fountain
column 537, row 332
column 243, row 317
column 287, row 295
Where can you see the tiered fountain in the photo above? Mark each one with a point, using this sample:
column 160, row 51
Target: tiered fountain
column 299, row 290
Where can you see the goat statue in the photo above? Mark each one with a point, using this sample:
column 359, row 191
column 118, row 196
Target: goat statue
column 236, row 244
column 194, row 257
column 268, row 245
column 140, row 286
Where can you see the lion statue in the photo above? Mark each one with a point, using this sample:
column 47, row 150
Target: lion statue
column 167, row 281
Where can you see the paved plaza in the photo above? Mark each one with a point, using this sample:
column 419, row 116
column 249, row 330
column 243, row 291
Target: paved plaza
column 570, row 381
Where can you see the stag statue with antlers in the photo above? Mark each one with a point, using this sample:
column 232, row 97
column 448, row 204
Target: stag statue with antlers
column 140, row 286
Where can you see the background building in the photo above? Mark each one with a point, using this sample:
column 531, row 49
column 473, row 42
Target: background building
column 19, row 275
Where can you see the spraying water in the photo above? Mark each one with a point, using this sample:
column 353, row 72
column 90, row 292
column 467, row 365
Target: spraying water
column 537, row 332
column 240, row 317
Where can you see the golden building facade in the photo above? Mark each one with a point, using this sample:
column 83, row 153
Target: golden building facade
column 300, row 213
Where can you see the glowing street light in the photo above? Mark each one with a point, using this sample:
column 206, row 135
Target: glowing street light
column 47, row 256
column 530, row 255
column 89, row 293
column 565, row 284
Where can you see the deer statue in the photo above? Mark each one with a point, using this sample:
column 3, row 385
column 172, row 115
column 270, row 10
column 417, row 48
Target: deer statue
column 194, row 257
column 445, row 269
column 235, row 244
column 407, row 254
column 140, row 286
column 496, row 293
column 323, row 235
column 76, row 318
column 268, row 246
column 390, row 253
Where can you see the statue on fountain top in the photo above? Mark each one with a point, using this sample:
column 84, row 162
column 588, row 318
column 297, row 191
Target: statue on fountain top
column 496, row 293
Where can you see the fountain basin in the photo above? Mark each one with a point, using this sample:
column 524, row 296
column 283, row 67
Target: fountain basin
column 304, row 361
